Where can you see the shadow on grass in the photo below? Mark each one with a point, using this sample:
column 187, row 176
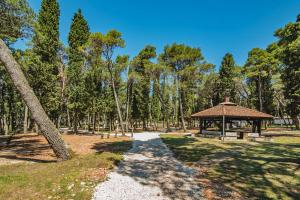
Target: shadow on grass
column 113, row 147
column 256, row 171
column 26, row 148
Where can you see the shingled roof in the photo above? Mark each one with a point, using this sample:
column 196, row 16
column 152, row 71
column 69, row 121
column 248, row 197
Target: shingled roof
column 231, row 110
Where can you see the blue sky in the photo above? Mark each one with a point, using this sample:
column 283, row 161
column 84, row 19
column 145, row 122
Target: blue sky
column 216, row 26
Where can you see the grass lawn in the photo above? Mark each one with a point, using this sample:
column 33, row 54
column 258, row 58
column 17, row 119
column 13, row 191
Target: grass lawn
column 73, row 179
column 251, row 170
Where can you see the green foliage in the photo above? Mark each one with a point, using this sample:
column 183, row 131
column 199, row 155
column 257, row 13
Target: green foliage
column 76, row 90
column 16, row 19
column 188, row 67
column 259, row 69
column 142, row 84
column 46, row 39
column 289, row 54
column 226, row 84
column 92, row 84
column 42, row 61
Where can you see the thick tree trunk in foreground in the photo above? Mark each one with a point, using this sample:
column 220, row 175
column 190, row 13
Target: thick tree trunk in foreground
column 47, row 127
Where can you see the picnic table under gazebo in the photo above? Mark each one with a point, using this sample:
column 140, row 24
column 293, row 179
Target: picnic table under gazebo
column 225, row 114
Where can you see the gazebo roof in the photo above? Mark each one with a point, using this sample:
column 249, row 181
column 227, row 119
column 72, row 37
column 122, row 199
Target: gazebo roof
column 231, row 110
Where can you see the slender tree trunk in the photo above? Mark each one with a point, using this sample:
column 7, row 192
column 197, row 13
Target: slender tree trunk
column 127, row 111
column 180, row 106
column 128, row 96
column 47, row 127
column 25, row 122
column 62, row 94
column 181, row 114
column 117, row 103
column 94, row 122
column 260, row 93
column 296, row 122
column 89, row 122
column 75, row 122
column 5, row 125
column 164, row 108
column 68, row 119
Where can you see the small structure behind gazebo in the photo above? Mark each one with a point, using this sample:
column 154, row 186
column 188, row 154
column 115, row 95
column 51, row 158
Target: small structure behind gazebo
column 226, row 113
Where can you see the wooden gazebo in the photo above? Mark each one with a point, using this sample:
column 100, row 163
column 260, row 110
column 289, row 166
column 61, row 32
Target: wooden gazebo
column 227, row 112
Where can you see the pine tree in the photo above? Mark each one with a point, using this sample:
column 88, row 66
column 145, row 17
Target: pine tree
column 226, row 84
column 78, row 37
column 21, row 84
column 186, row 63
column 16, row 19
column 141, row 87
column 259, row 69
column 43, row 71
column 288, row 53
column 111, row 41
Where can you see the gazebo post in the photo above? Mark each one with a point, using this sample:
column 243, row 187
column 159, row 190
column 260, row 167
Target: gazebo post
column 253, row 126
column 200, row 126
column 223, row 128
column 259, row 127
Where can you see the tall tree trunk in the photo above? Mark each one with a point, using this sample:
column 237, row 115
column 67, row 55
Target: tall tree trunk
column 127, row 110
column 25, row 122
column 68, row 119
column 260, row 93
column 117, row 103
column 94, row 122
column 75, row 122
column 5, row 125
column 47, row 127
column 62, row 93
column 296, row 122
column 128, row 97
column 164, row 108
column 180, row 106
column 181, row 114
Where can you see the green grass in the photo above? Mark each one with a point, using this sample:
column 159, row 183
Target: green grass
column 254, row 170
column 72, row 179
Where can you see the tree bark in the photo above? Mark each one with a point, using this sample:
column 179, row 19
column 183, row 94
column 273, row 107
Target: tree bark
column 164, row 108
column 296, row 122
column 68, row 119
column 47, row 127
column 62, row 93
column 25, row 122
column 5, row 125
column 128, row 97
column 117, row 102
column 75, row 122
column 260, row 93
column 180, row 106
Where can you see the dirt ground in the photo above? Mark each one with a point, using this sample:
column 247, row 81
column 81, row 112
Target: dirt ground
column 34, row 148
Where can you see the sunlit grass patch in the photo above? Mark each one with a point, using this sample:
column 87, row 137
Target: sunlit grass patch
column 72, row 179
column 254, row 170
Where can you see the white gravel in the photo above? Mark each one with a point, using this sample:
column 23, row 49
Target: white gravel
column 149, row 172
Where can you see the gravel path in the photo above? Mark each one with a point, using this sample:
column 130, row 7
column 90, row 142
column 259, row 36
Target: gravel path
column 149, row 172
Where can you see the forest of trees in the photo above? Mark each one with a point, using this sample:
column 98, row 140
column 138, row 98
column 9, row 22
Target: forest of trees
column 86, row 85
